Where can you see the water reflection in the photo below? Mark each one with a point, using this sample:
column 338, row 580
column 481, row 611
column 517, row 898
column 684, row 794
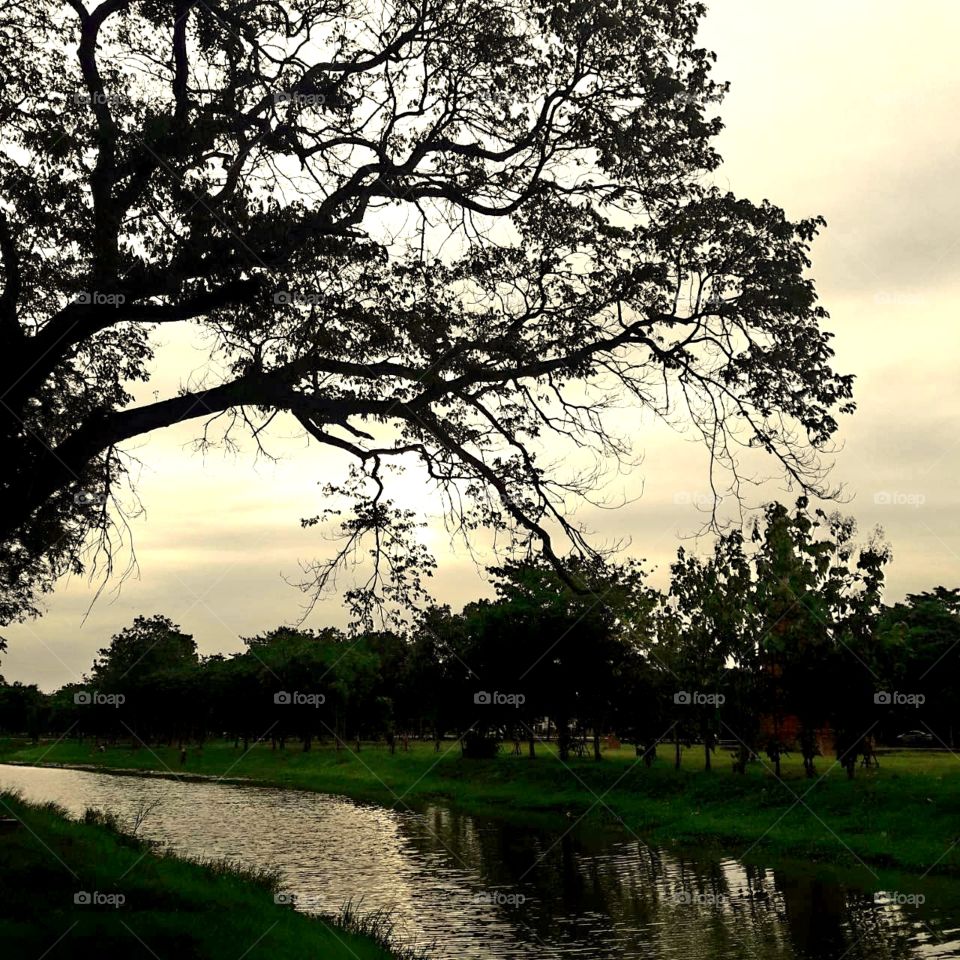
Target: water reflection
column 479, row 889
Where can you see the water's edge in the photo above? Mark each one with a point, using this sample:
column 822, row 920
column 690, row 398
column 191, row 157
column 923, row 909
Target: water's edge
column 483, row 887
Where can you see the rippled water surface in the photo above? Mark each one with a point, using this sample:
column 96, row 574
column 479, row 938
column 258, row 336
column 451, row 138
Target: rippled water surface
column 476, row 888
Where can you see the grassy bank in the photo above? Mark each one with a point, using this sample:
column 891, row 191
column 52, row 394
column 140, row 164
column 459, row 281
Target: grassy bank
column 906, row 815
column 72, row 889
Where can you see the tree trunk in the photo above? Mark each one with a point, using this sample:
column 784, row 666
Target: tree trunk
column 563, row 740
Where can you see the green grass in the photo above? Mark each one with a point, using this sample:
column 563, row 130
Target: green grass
column 904, row 816
column 170, row 908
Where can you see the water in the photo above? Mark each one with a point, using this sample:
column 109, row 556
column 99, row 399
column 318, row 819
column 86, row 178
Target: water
column 475, row 888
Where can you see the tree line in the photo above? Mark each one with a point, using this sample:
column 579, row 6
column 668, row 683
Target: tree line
column 778, row 640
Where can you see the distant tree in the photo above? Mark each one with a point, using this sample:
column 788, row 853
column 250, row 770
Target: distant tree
column 149, row 664
column 921, row 656
column 22, row 709
column 857, row 574
column 567, row 643
column 420, row 231
column 241, row 694
column 147, row 646
column 441, row 682
column 642, row 698
column 311, row 682
column 707, row 600
column 389, row 696
column 499, row 637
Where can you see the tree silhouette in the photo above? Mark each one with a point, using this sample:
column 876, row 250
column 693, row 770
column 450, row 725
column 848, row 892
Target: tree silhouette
column 444, row 231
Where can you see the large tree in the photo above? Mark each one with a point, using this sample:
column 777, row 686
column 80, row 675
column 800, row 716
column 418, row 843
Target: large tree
column 444, row 230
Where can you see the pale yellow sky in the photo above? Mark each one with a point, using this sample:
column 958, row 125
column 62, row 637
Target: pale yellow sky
column 845, row 108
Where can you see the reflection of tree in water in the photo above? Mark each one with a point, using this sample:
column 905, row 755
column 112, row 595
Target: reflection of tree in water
column 883, row 931
column 627, row 899
column 814, row 915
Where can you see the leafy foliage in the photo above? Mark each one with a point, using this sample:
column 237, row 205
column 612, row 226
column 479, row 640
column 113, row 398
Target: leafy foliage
column 446, row 232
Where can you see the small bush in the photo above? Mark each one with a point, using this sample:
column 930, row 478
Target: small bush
column 478, row 746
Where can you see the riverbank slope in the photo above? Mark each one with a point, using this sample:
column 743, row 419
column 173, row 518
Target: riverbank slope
column 79, row 889
column 905, row 815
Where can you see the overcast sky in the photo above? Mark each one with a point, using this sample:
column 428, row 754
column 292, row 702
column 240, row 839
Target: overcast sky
column 842, row 109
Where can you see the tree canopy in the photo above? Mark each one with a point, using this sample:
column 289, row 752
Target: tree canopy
column 776, row 642
column 451, row 231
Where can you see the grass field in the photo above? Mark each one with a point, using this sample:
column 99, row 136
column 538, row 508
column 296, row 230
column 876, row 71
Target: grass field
column 79, row 889
column 906, row 815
